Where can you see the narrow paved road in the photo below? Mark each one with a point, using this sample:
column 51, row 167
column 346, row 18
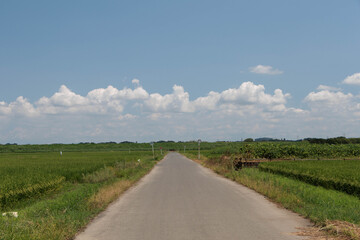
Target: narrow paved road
column 182, row 200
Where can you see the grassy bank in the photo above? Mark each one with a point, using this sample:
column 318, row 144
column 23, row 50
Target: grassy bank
column 328, row 209
column 61, row 212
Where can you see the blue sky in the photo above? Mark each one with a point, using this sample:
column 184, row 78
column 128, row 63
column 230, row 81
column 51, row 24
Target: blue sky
column 242, row 50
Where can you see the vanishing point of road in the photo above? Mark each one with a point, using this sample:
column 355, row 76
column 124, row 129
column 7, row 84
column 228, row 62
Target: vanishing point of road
column 181, row 200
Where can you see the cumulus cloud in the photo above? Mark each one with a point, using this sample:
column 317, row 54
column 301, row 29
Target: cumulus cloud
column 248, row 96
column 134, row 114
column 19, row 107
column 4, row 108
column 136, row 82
column 177, row 101
column 328, row 97
column 353, row 79
column 328, row 88
column 332, row 113
column 97, row 101
column 249, row 93
column 109, row 101
column 267, row 70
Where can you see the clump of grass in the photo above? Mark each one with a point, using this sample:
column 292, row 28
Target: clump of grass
column 101, row 175
column 108, row 194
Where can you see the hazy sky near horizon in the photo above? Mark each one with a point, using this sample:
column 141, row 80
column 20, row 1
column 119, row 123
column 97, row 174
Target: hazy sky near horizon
column 73, row 71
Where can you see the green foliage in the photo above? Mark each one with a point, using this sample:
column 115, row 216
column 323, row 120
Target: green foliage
column 337, row 140
column 286, row 150
column 248, row 140
column 336, row 174
column 24, row 176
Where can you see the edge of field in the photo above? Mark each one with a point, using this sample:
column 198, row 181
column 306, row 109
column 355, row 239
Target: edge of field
column 69, row 211
column 338, row 221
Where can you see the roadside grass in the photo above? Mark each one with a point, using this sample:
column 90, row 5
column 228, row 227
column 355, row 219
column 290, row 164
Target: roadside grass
column 63, row 214
column 333, row 212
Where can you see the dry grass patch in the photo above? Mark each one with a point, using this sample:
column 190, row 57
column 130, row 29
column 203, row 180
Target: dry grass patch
column 332, row 230
column 109, row 193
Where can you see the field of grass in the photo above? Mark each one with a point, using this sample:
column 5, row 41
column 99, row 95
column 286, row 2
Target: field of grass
column 55, row 196
column 336, row 174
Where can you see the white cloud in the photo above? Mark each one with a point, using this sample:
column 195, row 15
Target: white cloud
column 97, row 101
column 136, row 82
column 66, row 101
column 328, row 97
column 210, row 102
column 353, row 79
column 4, row 108
column 178, row 101
column 247, row 97
column 21, row 107
column 126, row 116
column 263, row 69
column 328, row 88
column 249, row 93
column 134, row 114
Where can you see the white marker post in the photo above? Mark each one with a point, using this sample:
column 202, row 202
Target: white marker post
column 152, row 146
column 199, row 141
column 161, row 150
column 184, row 148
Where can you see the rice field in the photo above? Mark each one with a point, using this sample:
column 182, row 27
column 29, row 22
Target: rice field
column 29, row 175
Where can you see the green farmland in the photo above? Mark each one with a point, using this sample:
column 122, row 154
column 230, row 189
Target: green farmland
column 56, row 195
column 24, row 176
column 42, row 187
column 335, row 174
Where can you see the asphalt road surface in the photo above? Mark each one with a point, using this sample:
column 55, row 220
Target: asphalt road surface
column 181, row 200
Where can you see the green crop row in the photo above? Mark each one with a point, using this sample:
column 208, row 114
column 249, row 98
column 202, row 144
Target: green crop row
column 13, row 196
column 298, row 150
column 338, row 175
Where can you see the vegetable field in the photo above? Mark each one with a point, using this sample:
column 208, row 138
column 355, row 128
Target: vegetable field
column 287, row 150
